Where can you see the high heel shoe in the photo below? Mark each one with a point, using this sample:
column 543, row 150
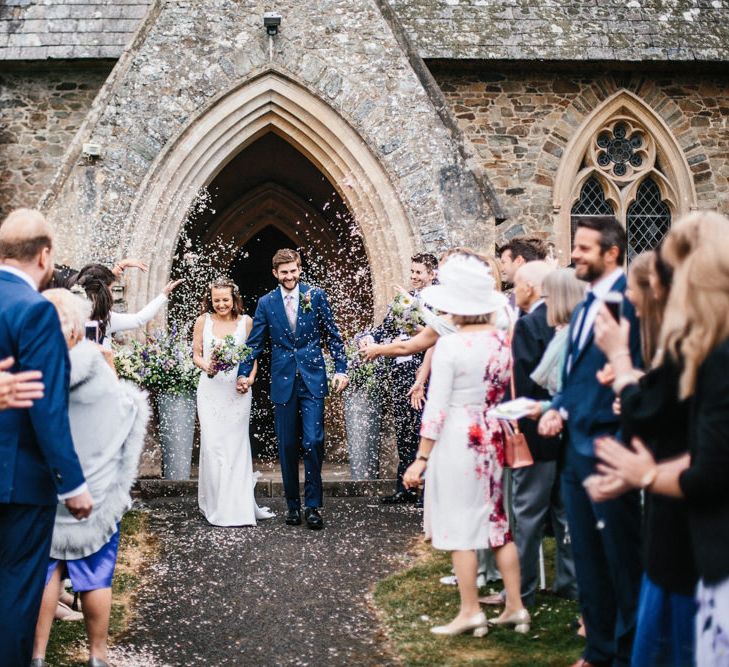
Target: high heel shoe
column 519, row 619
column 477, row 623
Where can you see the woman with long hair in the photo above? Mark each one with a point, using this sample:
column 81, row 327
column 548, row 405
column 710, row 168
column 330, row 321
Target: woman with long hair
column 225, row 481
column 657, row 408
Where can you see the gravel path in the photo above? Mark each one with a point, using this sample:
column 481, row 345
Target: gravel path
column 270, row 595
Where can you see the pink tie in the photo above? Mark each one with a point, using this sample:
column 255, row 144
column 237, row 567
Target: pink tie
column 290, row 311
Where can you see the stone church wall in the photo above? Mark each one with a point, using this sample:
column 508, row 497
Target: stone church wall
column 40, row 112
column 519, row 123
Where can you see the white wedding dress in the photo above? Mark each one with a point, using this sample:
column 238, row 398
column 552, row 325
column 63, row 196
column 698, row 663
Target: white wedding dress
column 226, row 480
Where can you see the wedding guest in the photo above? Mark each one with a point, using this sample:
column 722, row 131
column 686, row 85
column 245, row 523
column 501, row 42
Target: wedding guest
column 605, row 536
column 402, row 377
column 512, row 256
column 225, row 481
column 462, row 448
column 87, row 551
column 695, row 336
column 536, row 496
column 37, row 439
column 18, row 390
column 97, row 280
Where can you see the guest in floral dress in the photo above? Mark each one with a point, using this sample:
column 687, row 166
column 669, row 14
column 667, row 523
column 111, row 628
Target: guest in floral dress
column 462, row 449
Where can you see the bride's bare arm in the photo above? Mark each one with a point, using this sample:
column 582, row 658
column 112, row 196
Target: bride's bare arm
column 197, row 344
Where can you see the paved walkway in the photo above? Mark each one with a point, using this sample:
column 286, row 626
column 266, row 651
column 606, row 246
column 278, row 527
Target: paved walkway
column 270, row 595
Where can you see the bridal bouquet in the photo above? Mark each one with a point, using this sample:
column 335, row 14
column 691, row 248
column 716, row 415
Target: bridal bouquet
column 161, row 364
column 227, row 355
column 406, row 313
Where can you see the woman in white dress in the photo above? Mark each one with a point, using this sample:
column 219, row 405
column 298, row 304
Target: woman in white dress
column 225, row 481
column 462, row 448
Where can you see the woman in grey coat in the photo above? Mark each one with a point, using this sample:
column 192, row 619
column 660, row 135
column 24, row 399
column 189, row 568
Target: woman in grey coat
column 108, row 423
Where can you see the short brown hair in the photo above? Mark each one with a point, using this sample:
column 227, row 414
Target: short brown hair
column 222, row 283
column 430, row 261
column 24, row 250
column 285, row 256
column 530, row 248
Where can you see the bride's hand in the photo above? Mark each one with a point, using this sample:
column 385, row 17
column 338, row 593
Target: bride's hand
column 241, row 384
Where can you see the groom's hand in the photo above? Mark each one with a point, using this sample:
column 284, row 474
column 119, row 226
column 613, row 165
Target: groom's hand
column 241, row 384
column 340, row 383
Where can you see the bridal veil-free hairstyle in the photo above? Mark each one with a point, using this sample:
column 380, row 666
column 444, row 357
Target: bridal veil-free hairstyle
column 285, row 256
column 206, row 305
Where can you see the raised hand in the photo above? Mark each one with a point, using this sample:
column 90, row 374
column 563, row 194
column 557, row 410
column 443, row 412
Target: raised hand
column 19, row 390
column 128, row 263
column 171, row 285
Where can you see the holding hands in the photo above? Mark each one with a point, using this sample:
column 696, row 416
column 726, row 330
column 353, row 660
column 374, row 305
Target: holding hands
column 550, row 424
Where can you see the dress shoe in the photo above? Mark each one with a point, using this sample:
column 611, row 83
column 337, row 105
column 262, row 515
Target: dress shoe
column 452, row 580
column 38, row 662
column 476, row 623
column 97, row 662
column 495, row 600
column 519, row 619
column 293, row 517
column 65, row 613
column 399, row 498
column 313, row 518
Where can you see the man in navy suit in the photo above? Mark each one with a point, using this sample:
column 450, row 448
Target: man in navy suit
column 38, row 464
column 294, row 317
column 606, row 539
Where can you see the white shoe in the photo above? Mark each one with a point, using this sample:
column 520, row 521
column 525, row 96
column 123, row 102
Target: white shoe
column 452, row 580
column 519, row 619
column 477, row 623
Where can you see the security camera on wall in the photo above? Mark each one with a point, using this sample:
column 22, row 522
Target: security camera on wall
column 271, row 21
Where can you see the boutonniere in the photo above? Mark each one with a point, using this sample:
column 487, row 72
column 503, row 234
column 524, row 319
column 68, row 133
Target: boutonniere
column 306, row 302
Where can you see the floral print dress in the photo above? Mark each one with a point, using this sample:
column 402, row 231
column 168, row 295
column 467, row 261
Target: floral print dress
column 464, row 499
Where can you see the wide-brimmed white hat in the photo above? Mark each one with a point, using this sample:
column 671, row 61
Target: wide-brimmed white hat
column 466, row 288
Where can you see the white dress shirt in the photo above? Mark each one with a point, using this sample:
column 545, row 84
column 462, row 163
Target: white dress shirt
column 295, row 294
column 600, row 289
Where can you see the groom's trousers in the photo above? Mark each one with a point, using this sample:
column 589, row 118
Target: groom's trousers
column 300, row 423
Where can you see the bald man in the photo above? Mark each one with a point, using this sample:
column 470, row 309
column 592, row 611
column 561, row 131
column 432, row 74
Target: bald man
column 38, row 464
column 536, row 496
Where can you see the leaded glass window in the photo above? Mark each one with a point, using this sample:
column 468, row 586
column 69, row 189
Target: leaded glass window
column 591, row 202
column 648, row 219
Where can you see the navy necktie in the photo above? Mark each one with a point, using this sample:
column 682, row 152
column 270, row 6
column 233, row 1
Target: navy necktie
column 589, row 298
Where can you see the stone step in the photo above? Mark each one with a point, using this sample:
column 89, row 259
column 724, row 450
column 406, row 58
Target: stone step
column 265, row 488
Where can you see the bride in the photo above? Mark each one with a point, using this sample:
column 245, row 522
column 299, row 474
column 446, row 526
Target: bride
column 226, row 480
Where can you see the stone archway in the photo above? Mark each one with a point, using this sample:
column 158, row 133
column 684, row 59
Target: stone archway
column 268, row 103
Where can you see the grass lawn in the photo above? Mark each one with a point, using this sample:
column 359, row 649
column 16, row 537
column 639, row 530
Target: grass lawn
column 412, row 601
column 67, row 645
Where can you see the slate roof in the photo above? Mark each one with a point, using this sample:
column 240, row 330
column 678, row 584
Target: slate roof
column 568, row 29
column 616, row 30
column 41, row 29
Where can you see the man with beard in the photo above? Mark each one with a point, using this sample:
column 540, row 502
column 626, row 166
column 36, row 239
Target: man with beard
column 605, row 536
column 293, row 317
column 38, row 464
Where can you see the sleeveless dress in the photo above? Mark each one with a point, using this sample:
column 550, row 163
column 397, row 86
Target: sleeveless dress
column 226, row 480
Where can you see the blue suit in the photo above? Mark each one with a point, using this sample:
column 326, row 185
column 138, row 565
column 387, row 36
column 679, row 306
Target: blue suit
column 37, row 461
column 606, row 537
column 298, row 382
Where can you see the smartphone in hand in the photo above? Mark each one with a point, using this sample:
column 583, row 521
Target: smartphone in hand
column 614, row 303
column 91, row 330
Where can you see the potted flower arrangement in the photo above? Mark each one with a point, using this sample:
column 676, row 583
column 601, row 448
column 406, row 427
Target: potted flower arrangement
column 163, row 365
column 363, row 399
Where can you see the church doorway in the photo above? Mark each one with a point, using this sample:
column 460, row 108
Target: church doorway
column 270, row 196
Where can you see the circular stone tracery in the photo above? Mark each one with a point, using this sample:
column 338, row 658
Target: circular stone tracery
column 622, row 149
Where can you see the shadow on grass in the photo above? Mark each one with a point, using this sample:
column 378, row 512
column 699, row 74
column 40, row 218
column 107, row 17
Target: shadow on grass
column 412, row 601
column 67, row 644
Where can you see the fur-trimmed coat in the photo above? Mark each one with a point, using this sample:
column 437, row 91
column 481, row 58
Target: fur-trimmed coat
column 108, row 423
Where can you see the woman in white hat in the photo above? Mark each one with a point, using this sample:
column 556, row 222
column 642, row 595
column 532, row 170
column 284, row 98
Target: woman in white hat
column 463, row 450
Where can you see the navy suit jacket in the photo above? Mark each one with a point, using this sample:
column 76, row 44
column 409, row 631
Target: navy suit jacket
column 37, row 458
column 295, row 351
column 588, row 403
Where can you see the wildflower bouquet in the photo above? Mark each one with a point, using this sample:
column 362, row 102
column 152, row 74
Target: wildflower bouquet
column 162, row 364
column 227, row 355
column 405, row 310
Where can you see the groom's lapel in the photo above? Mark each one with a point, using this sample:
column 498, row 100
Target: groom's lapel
column 280, row 311
column 301, row 314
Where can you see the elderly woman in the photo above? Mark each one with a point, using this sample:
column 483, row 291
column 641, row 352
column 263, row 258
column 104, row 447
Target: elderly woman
column 108, row 422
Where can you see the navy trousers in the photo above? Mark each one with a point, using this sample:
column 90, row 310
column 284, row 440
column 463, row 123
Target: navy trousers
column 606, row 545
column 25, row 545
column 407, row 419
column 300, row 425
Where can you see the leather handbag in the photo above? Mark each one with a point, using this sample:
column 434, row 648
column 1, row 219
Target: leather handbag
column 516, row 449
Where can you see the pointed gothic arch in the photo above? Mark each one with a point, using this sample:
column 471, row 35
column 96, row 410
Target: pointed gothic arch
column 269, row 102
column 654, row 154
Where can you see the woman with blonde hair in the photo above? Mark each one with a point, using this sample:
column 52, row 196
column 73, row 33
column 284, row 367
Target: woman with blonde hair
column 680, row 404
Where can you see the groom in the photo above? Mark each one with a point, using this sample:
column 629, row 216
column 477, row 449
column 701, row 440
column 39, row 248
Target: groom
column 293, row 317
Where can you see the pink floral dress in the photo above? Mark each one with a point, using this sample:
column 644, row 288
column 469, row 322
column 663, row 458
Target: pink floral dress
column 464, row 499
